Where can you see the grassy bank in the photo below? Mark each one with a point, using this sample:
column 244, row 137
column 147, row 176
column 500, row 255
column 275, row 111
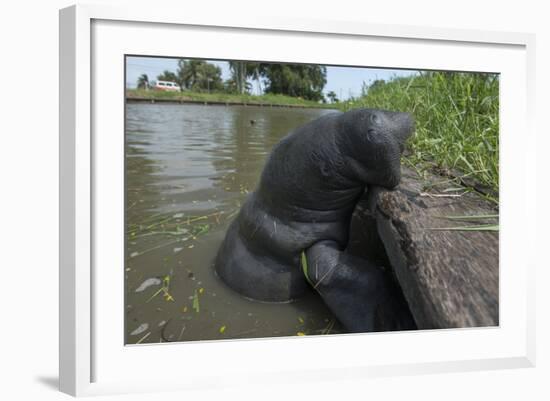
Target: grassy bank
column 457, row 120
column 263, row 100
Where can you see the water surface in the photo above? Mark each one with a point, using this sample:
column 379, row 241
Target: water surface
column 188, row 171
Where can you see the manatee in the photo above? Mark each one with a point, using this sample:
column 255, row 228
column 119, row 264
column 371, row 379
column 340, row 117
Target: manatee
column 307, row 192
column 364, row 297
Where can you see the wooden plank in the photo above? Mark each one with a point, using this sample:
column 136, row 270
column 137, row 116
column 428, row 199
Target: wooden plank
column 449, row 278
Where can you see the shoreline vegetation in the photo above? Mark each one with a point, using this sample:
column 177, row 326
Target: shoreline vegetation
column 216, row 98
column 456, row 115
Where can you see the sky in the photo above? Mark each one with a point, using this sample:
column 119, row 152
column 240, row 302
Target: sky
column 344, row 81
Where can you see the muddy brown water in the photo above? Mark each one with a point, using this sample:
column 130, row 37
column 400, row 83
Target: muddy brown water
column 188, row 170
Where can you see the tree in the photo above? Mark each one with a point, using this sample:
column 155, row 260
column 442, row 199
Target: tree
column 143, row 82
column 240, row 72
column 238, row 75
column 377, row 84
column 332, row 97
column 198, row 75
column 210, row 78
column 168, row 76
column 188, row 72
column 255, row 72
column 230, row 86
column 297, row 80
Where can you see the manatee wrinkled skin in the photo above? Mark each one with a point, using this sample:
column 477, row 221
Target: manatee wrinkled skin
column 307, row 192
column 363, row 296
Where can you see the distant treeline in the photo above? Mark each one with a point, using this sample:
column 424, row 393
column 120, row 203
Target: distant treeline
column 295, row 80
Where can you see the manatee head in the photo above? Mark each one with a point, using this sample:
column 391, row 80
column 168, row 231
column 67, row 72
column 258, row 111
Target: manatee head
column 373, row 141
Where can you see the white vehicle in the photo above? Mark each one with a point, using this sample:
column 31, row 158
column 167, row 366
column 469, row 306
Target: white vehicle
column 167, row 86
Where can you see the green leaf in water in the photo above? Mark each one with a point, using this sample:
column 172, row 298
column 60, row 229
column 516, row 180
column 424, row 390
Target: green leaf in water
column 196, row 305
column 154, row 295
column 222, row 329
column 304, row 267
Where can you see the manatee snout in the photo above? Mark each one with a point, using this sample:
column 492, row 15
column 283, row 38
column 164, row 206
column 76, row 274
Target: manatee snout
column 375, row 141
column 402, row 126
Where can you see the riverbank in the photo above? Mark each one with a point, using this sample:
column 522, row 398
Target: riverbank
column 267, row 100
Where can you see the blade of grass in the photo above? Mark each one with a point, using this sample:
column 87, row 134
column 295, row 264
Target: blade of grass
column 473, row 217
column 488, row 227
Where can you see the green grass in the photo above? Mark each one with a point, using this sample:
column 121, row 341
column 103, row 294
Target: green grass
column 478, row 226
column 457, row 120
column 303, row 260
column 266, row 99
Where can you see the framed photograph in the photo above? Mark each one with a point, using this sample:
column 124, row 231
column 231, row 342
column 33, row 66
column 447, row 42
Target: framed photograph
column 317, row 200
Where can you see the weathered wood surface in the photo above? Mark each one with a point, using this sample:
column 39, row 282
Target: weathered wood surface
column 449, row 278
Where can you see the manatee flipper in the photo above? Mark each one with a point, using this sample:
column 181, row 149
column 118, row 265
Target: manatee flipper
column 252, row 274
column 361, row 295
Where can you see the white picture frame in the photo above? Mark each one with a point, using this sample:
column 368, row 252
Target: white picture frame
column 93, row 358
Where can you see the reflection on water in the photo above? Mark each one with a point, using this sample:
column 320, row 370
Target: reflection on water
column 188, row 170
